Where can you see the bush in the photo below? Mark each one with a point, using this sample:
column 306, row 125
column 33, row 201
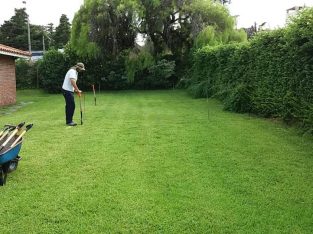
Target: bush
column 270, row 76
column 160, row 74
column 26, row 74
column 138, row 62
column 52, row 70
column 157, row 76
column 239, row 99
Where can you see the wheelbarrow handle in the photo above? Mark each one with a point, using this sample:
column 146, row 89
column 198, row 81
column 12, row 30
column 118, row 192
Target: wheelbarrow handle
column 29, row 126
column 6, row 130
column 17, row 128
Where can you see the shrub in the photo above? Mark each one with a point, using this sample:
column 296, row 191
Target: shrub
column 239, row 99
column 52, row 70
column 26, row 74
column 137, row 63
column 270, row 76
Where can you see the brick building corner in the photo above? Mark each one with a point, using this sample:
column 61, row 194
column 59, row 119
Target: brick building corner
column 7, row 73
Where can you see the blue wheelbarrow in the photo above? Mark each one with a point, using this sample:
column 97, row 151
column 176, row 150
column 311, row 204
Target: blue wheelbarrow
column 10, row 145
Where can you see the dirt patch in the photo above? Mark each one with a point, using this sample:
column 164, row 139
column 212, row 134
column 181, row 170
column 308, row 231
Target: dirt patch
column 7, row 110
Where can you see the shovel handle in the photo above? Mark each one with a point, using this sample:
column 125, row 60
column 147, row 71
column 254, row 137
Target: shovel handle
column 17, row 128
column 28, row 127
column 17, row 139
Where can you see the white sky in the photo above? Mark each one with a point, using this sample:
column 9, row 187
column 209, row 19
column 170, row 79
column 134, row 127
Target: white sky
column 42, row 12
column 273, row 12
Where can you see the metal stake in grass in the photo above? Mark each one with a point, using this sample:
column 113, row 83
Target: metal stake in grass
column 207, row 98
column 81, row 109
column 94, row 94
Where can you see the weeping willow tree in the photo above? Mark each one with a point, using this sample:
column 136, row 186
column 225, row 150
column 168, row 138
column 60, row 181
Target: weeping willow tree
column 175, row 24
column 111, row 26
column 212, row 25
column 209, row 36
column 104, row 28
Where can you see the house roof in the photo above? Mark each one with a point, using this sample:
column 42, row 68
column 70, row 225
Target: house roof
column 295, row 8
column 10, row 51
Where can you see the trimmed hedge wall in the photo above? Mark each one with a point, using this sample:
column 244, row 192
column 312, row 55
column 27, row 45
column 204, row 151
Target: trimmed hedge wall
column 272, row 75
column 26, row 74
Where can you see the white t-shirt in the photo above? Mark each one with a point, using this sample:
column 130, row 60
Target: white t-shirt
column 67, row 85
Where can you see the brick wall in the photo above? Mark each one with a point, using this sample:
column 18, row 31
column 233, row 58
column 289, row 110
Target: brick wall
column 7, row 80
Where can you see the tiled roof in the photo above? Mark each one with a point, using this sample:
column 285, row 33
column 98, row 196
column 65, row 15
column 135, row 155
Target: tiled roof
column 10, row 51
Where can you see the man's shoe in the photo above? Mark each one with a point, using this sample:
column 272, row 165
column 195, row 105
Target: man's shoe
column 71, row 124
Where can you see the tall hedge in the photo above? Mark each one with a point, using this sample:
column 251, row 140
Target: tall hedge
column 52, row 70
column 271, row 75
column 26, row 74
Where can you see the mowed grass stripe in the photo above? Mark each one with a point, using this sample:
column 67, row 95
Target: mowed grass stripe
column 156, row 161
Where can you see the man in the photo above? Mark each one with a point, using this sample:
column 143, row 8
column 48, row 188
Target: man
column 69, row 87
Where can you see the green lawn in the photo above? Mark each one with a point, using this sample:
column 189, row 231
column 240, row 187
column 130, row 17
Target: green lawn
column 155, row 161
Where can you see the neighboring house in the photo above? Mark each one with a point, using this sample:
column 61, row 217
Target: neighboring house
column 292, row 12
column 7, row 73
column 36, row 55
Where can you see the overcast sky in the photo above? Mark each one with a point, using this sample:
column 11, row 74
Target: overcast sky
column 42, row 12
column 273, row 12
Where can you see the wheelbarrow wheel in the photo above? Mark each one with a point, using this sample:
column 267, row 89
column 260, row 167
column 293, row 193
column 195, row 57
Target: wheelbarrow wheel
column 12, row 166
column 3, row 177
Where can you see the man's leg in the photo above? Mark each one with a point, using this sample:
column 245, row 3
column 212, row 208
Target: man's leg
column 69, row 106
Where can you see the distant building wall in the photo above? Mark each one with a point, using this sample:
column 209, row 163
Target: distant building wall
column 292, row 12
column 7, row 80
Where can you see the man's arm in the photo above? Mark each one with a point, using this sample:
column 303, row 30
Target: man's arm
column 76, row 89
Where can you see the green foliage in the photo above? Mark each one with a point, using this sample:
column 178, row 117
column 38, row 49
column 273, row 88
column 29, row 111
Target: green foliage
column 270, row 76
column 14, row 31
column 138, row 62
column 103, row 28
column 80, row 41
column 204, row 13
column 37, row 32
column 162, row 69
column 62, row 32
column 52, row 70
column 239, row 99
column 145, row 73
column 114, row 72
column 209, row 36
column 157, row 76
column 174, row 25
column 26, row 74
column 49, row 36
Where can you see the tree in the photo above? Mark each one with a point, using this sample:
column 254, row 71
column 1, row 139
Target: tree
column 107, row 29
column 104, row 27
column 62, row 32
column 37, row 32
column 49, row 35
column 14, row 31
column 174, row 25
column 110, row 26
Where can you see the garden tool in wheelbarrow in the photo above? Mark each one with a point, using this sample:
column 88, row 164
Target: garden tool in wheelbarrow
column 10, row 147
column 6, row 130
